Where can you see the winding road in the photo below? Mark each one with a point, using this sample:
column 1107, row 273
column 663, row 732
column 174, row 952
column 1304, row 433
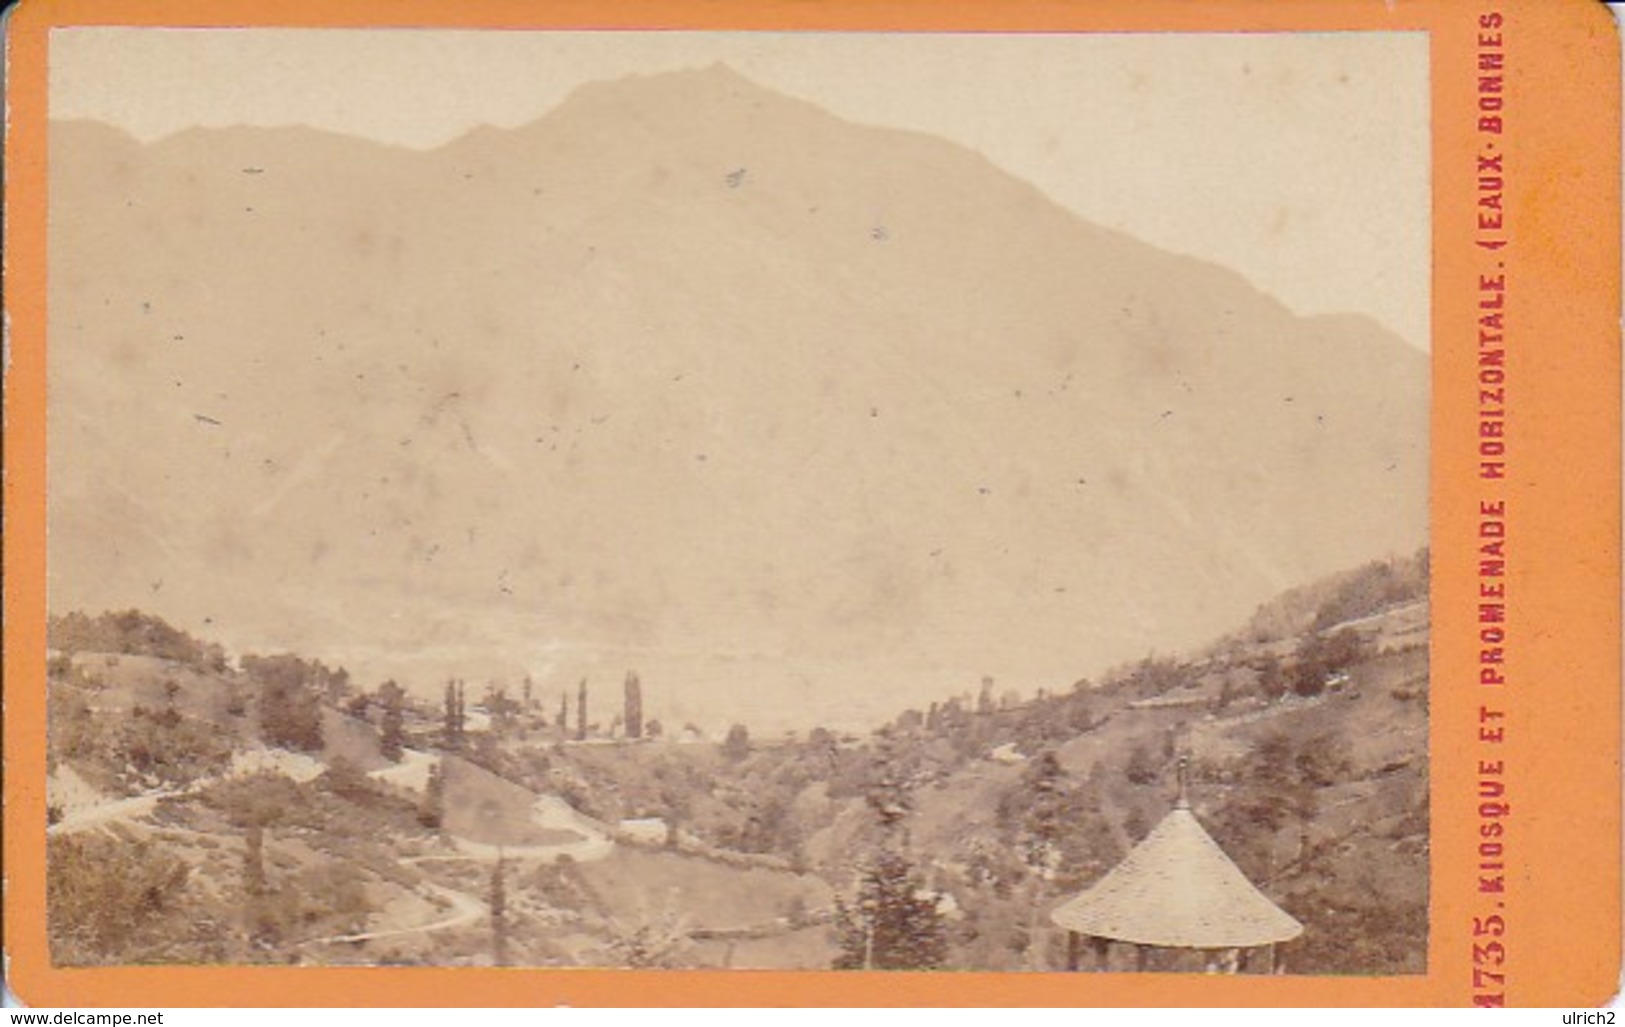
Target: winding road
column 592, row 842
column 118, row 809
column 468, row 910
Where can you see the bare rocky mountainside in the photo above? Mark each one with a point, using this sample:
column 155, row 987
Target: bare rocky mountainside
column 807, row 421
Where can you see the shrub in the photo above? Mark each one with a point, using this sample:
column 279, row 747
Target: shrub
column 109, row 899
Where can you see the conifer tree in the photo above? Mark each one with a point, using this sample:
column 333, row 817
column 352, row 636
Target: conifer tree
column 391, row 744
column 454, row 715
column 890, row 925
column 984, row 699
column 254, row 859
column 448, row 725
column 581, row 711
column 736, row 746
column 1046, row 816
column 256, row 908
column 432, row 811
column 499, row 706
column 499, row 918
column 290, row 712
column 887, row 789
column 1039, row 836
column 634, row 705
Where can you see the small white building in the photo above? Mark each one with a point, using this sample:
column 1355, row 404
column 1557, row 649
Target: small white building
column 643, row 830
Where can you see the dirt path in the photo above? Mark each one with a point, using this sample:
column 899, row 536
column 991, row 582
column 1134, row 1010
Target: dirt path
column 119, row 809
column 593, row 841
column 297, row 767
column 1279, row 708
column 467, row 910
column 1391, row 613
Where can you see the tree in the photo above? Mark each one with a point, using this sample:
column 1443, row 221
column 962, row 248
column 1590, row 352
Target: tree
column 887, row 790
column 391, row 744
column 254, row 803
column 455, row 717
column 129, row 631
column 263, row 797
column 768, row 828
column 676, row 792
column 432, row 811
column 499, row 920
column 260, row 925
column 634, row 705
column 1324, row 760
column 215, row 660
column 336, row 682
column 448, row 724
column 1135, row 825
column 1272, row 678
column 736, row 746
column 346, row 780
column 290, row 712
column 1043, row 825
column 1079, row 716
column 984, row 699
column 503, row 710
column 1141, row 769
column 254, row 859
column 650, row 936
column 581, row 711
column 562, row 721
column 1279, row 792
column 1319, row 656
column 1045, row 819
column 890, row 925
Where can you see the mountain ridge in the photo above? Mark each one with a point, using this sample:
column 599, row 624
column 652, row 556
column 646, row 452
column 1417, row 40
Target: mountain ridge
column 847, row 395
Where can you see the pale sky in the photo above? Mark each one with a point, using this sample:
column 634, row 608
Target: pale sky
column 1299, row 160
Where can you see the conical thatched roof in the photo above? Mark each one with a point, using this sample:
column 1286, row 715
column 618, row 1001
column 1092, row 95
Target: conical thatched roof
column 1178, row 889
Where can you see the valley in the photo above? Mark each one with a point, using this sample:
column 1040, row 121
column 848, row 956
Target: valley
column 507, row 830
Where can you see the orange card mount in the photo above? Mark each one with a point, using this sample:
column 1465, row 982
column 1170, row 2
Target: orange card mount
column 790, row 500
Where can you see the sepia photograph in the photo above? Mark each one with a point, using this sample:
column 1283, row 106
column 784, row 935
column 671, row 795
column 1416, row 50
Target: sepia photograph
column 892, row 501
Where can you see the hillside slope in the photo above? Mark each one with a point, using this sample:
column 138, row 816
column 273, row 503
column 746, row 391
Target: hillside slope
column 254, row 813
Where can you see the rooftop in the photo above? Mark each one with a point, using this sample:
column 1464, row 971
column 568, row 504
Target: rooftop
column 1178, row 889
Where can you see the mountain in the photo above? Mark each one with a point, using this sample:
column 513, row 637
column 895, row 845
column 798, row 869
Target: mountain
column 802, row 419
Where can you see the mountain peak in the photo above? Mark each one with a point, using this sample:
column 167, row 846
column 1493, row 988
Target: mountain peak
column 656, row 300
column 703, row 85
